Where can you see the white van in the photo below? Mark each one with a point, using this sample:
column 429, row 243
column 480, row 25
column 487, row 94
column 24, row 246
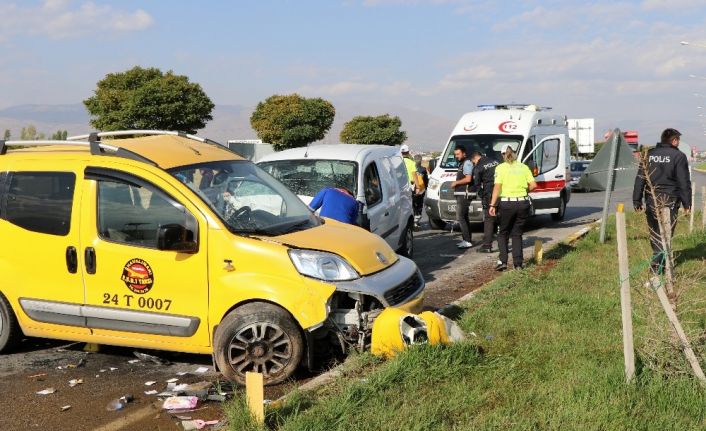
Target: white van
column 541, row 141
column 375, row 174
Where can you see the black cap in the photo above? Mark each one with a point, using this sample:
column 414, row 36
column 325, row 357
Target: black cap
column 669, row 134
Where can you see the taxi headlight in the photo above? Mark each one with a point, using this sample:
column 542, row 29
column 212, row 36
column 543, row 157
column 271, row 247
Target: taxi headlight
column 433, row 183
column 322, row 265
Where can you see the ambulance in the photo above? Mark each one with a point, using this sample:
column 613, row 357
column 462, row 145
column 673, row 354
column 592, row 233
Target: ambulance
column 538, row 136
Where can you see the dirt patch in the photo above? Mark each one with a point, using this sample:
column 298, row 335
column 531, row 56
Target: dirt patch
column 457, row 285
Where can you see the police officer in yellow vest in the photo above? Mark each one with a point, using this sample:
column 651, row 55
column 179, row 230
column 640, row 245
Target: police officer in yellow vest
column 510, row 201
column 409, row 164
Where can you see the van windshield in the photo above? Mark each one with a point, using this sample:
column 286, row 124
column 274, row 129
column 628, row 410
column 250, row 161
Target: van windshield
column 307, row 177
column 488, row 145
column 246, row 198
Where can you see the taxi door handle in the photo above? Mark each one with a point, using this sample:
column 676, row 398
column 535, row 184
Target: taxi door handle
column 71, row 259
column 90, row 258
column 558, row 176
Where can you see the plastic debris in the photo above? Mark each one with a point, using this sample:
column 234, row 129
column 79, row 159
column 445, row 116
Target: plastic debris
column 201, row 370
column 119, row 403
column 199, row 389
column 218, row 398
column 182, row 373
column 150, row 383
column 197, row 424
column 152, row 392
column 81, row 362
column 172, row 380
column 152, row 358
column 133, row 361
column 34, row 376
column 46, row 391
column 74, row 382
column 112, row 368
column 180, row 403
column 66, row 407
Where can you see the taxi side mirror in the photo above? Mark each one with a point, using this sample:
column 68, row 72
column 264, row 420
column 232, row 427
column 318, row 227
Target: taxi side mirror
column 175, row 237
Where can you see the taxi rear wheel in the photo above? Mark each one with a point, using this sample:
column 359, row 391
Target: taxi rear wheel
column 258, row 337
column 10, row 332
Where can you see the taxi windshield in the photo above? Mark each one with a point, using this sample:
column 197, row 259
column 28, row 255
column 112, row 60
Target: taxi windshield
column 247, row 199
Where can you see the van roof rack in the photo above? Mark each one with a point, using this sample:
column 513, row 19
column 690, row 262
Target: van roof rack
column 505, row 106
column 95, row 146
column 144, row 132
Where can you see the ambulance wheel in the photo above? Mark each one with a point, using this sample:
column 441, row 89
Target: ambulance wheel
column 258, row 337
column 10, row 332
column 562, row 210
column 437, row 223
column 407, row 247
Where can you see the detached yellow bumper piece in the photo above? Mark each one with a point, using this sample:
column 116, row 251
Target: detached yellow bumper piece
column 394, row 329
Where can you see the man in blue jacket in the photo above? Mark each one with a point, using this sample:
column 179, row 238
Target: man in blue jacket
column 336, row 203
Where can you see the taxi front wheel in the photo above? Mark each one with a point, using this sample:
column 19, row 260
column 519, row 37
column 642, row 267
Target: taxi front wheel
column 258, row 337
column 10, row 332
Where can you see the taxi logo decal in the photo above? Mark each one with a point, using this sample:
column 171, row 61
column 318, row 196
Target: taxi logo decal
column 138, row 276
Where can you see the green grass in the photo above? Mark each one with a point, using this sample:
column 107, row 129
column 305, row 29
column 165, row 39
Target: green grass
column 701, row 166
column 547, row 355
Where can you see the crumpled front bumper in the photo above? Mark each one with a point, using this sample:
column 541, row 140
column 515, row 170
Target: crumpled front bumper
column 400, row 285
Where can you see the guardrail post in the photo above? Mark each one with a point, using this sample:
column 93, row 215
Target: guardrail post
column 614, row 142
column 538, row 251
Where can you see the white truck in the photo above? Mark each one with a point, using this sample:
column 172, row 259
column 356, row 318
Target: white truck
column 539, row 137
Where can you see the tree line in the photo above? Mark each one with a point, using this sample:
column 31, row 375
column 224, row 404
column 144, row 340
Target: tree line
column 147, row 98
column 30, row 133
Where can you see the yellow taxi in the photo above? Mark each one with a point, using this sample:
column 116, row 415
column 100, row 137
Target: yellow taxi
column 165, row 240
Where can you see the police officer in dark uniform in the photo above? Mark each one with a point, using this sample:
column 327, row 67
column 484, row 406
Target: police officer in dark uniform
column 464, row 178
column 668, row 170
column 484, row 180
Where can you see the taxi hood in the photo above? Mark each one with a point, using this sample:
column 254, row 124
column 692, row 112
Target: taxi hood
column 366, row 252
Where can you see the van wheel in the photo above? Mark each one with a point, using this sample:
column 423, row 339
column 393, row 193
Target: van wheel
column 10, row 332
column 258, row 337
column 407, row 247
column 562, row 210
column 437, row 223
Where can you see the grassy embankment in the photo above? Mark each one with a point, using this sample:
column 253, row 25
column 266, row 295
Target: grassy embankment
column 547, row 354
column 701, row 167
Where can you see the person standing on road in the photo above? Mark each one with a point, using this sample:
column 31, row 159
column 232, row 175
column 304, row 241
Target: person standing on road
column 409, row 164
column 510, row 202
column 668, row 172
column 484, row 180
column 460, row 186
column 420, row 189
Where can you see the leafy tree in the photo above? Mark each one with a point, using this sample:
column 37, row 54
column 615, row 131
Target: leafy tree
column 380, row 130
column 142, row 98
column 59, row 135
column 292, row 121
column 7, row 135
column 29, row 133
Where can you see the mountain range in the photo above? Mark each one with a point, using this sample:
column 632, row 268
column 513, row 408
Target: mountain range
column 425, row 131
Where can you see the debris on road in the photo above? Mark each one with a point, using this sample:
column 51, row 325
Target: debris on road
column 74, row 382
column 172, row 380
column 180, row 403
column 150, row 383
column 34, row 376
column 64, row 408
column 152, row 392
column 197, row 424
column 201, row 370
column 133, row 361
column 120, row 403
column 46, row 391
column 145, row 357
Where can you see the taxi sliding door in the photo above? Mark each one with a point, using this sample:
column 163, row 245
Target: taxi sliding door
column 143, row 289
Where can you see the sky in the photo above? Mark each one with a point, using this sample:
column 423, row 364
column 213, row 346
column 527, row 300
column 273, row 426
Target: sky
column 620, row 62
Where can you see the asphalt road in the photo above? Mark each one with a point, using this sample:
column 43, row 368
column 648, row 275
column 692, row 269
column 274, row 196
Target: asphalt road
column 450, row 273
